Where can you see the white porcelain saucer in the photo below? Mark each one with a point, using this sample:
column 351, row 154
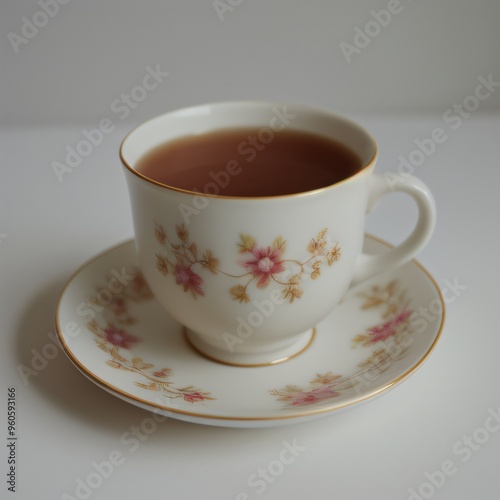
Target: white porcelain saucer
column 119, row 336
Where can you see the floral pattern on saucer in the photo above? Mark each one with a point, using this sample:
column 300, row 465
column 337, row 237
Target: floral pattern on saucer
column 388, row 340
column 262, row 264
column 323, row 387
column 111, row 337
column 355, row 354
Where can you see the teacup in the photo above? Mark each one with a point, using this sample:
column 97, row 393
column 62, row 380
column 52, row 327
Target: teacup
column 250, row 277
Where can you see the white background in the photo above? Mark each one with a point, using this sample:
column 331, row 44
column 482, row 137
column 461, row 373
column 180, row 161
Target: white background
column 400, row 86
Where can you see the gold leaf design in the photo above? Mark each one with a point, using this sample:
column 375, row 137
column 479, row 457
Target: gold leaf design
column 362, row 339
column 182, row 232
column 378, row 295
column 153, row 386
column 210, row 262
column 246, row 243
column 292, row 388
column 93, row 326
column 115, row 364
column 326, row 378
column 114, row 353
column 378, row 357
column 292, row 292
column 279, row 244
column 315, row 274
column 321, row 234
column 140, row 364
column 160, row 234
column 103, row 346
column 194, row 250
column 333, row 255
column 162, row 264
column 317, row 245
column 239, row 292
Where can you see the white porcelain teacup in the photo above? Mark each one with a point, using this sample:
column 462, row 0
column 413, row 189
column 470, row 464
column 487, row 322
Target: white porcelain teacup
column 250, row 277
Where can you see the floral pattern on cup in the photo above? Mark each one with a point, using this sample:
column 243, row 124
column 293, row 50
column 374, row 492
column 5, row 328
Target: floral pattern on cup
column 388, row 342
column 261, row 265
column 111, row 336
column 182, row 258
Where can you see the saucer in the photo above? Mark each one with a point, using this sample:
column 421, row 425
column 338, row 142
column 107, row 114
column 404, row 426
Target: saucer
column 117, row 334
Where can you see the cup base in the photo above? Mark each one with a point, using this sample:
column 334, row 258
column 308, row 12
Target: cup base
column 249, row 360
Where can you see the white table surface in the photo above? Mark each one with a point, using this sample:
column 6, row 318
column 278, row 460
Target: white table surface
column 380, row 450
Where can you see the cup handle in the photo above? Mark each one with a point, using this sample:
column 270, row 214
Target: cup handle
column 369, row 265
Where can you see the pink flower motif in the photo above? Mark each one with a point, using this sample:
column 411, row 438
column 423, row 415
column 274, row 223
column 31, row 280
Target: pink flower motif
column 314, row 396
column 193, row 397
column 120, row 338
column 188, row 279
column 264, row 263
column 118, row 306
column 388, row 329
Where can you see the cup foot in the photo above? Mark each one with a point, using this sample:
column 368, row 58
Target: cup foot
column 249, row 360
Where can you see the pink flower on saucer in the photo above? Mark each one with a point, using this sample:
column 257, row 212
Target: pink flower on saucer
column 190, row 281
column 118, row 306
column 162, row 373
column 388, row 329
column 316, row 395
column 263, row 263
column 193, row 397
column 120, row 338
